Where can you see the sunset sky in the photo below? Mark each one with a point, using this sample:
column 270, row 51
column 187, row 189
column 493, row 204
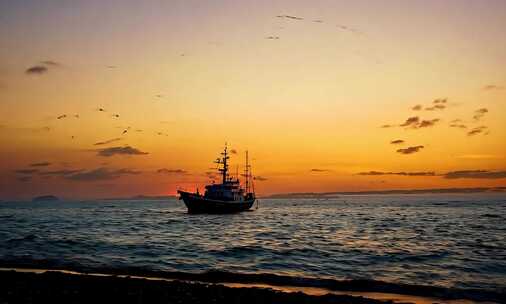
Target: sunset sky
column 119, row 98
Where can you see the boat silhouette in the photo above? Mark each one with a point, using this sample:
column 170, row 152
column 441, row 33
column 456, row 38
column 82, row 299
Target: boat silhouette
column 227, row 197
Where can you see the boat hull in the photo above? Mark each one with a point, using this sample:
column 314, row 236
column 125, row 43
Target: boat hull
column 199, row 204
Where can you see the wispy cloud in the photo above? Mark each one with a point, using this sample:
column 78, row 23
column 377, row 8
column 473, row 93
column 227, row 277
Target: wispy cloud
column 101, row 174
column 36, row 70
column 376, row 173
column 63, row 172
column 478, row 114
column 126, row 150
column 397, row 142
column 290, row 17
column 41, row 164
column 440, row 101
column 436, row 107
column 476, row 174
column 319, row 170
column 410, row 150
column 416, row 123
column 427, row 123
column 411, row 121
column 51, row 63
column 107, row 141
column 171, row 171
column 478, row 130
column 491, row 87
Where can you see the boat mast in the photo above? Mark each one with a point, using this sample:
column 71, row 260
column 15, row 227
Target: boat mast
column 224, row 170
column 247, row 172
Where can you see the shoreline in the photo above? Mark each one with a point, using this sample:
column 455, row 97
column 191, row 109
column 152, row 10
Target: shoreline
column 351, row 289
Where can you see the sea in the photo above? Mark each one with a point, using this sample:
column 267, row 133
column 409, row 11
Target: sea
column 447, row 240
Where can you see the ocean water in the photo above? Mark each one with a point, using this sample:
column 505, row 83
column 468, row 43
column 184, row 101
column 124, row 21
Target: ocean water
column 442, row 240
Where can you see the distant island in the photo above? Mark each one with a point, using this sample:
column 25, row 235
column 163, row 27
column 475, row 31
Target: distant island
column 142, row 197
column 399, row 191
column 45, row 198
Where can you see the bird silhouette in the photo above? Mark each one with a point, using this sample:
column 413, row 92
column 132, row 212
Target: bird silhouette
column 115, row 115
column 101, row 109
column 61, row 116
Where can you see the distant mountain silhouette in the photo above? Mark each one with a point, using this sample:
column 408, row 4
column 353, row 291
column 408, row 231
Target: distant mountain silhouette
column 400, row 191
column 45, row 198
column 143, row 197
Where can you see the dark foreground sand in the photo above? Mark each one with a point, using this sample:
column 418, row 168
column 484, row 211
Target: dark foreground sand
column 28, row 285
column 57, row 287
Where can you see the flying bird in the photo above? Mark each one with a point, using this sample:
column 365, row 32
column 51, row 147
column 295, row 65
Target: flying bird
column 272, row 37
column 101, row 109
column 76, row 115
column 61, row 116
column 115, row 115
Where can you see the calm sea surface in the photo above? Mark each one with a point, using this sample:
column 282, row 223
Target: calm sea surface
column 445, row 240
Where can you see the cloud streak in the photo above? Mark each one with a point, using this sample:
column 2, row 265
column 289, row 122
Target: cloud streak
column 478, row 130
column 491, row 87
column 415, row 122
column 126, row 150
column 36, row 70
column 107, row 141
column 410, row 150
column 63, row 172
column 319, row 170
column 411, row 122
column 478, row 114
column 171, row 171
column 379, row 173
column 51, row 63
column 475, row 174
column 41, row 164
column 397, row 142
column 101, row 174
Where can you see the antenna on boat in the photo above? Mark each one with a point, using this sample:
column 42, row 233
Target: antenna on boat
column 223, row 161
column 247, row 173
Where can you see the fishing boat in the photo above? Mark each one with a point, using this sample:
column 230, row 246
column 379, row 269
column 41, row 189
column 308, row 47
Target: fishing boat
column 229, row 196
